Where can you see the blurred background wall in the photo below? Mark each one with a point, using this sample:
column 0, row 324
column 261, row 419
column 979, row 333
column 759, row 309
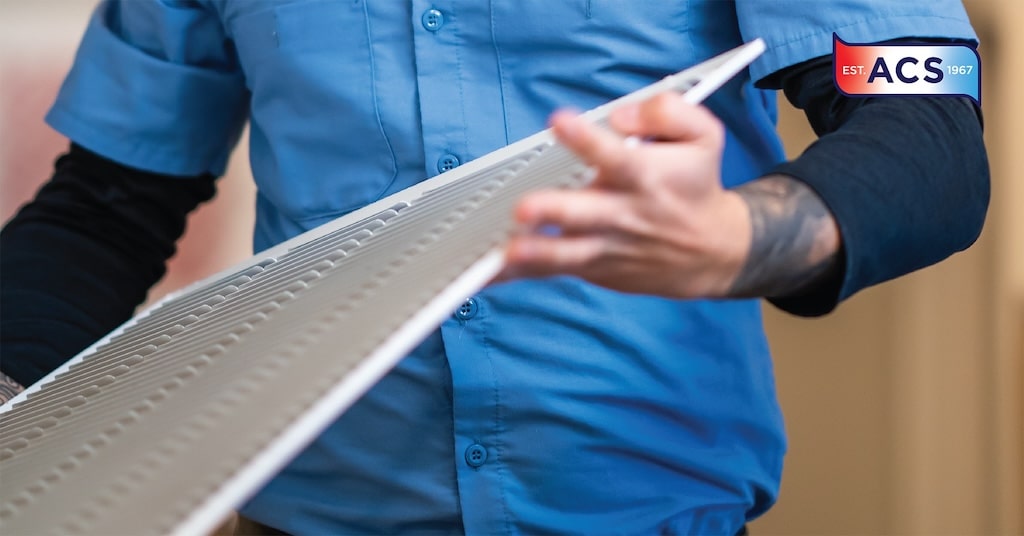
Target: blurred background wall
column 904, row 408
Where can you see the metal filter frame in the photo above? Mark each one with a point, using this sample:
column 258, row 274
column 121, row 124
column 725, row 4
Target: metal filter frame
column 176, row 417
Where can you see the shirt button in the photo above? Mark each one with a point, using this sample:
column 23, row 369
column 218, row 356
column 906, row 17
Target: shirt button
column 476, row 455
column 447, row 162
column 432, row 20
column 467, row 310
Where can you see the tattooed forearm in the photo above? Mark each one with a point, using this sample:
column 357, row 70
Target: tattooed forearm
column 8, row 388
column 795, row 239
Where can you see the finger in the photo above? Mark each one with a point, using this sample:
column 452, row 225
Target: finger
column 541, row 256
column 596, row 146
column 668, row 117
column 574, row 211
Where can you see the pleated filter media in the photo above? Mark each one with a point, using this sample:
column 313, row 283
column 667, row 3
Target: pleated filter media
column 175, row 418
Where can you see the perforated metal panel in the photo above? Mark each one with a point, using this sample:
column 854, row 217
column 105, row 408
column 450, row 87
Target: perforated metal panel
column 171, row 421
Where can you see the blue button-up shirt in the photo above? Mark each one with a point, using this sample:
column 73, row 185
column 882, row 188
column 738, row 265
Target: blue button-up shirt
column 540, row 405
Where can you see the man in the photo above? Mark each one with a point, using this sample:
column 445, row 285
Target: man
column 543, row 405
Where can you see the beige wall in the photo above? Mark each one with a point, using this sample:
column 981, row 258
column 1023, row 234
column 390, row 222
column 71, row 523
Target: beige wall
column 904, row 407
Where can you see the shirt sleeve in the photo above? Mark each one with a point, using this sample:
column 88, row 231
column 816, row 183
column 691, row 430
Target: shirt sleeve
column 155, row 86
column 798, row 30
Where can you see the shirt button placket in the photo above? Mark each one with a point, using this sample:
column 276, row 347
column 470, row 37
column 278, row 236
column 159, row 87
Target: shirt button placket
column 445, row 33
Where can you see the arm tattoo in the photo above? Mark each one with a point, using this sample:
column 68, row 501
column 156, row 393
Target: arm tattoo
column 8, row 388
column 795, row 239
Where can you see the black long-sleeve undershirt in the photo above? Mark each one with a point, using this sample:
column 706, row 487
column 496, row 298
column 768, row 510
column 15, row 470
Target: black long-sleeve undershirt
column 907, row 180
column 77, row 260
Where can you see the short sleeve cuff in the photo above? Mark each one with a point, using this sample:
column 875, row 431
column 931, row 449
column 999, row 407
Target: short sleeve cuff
column 786, row 49
column 147, row 113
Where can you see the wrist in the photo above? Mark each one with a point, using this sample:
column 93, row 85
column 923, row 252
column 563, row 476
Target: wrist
column 795, row 240
column 731, row 242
